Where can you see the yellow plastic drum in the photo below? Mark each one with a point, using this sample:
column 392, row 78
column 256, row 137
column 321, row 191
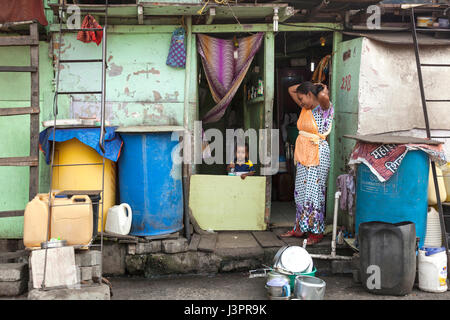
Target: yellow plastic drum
column 84, row 177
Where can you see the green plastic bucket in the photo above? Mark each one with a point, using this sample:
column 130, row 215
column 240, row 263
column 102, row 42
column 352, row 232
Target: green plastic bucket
column 293, row 276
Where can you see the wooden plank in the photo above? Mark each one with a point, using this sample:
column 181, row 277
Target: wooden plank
column 195, row 240
column 13, row 213
column 175, row 235
column 18, row 111
column 18, row 69
column 388, row 139
column 129, row 241
column 267, row 239
column 207, row 243
column 269, row 88
column 18, row 41
column 118, row 236
column 19, row 161
column 34, row 118
column 212, row 209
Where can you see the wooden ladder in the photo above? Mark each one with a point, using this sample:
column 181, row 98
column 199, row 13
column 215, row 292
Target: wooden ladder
column 33, row 110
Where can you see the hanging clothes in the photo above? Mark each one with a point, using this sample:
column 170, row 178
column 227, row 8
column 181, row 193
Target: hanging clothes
column 22, row 10
column 322, row 70
column 177, row 50
column 226, row 63
column 90, row 36
column 346, row 186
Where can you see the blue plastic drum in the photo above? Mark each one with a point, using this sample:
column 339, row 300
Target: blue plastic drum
column 150, row 182
column 404, row 197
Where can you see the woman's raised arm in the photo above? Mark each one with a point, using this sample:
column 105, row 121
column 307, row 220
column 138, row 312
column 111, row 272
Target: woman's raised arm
column 293, row 93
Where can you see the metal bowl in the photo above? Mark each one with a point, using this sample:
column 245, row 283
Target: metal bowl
column 53, row 244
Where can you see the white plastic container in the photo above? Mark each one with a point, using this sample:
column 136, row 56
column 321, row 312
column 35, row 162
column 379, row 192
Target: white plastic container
column 433, row 236
column 432, row 269
column 119, row 219
column 432, row 199
column 446, row 175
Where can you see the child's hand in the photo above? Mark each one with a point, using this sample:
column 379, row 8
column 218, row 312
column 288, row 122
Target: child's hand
column 243, row 176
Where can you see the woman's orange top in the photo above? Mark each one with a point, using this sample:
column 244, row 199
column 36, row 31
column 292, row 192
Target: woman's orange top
column 307, row 144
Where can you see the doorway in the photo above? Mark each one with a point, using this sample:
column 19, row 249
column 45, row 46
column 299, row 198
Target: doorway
column 299, row 56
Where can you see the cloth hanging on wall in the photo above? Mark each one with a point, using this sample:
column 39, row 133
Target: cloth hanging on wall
column 177, row 50
column 224, row 72
column 90, row 36
column 22, row 10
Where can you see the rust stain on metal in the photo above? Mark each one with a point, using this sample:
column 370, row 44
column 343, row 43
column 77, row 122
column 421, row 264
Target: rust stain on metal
column 115, row 70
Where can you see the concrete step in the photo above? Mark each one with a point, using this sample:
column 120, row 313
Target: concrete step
column 13, row 279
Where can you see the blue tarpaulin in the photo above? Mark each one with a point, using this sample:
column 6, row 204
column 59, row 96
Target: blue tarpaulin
column 88, row 136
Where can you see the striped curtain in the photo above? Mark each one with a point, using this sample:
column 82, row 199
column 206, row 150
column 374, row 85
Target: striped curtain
column 224, row 73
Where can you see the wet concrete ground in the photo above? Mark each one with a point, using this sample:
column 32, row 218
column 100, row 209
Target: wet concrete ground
column 238, row 286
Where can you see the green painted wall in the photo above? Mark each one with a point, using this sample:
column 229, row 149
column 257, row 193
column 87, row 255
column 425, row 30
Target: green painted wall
column 15, row 132
column 141, row 88
column 348, row 62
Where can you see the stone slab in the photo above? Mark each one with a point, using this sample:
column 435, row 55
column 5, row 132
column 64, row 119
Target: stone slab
column 13, row 271
column 94, row 292
column 238, row 245
column 236, row 240
column 207, row 243
column 114, row 258
column 268, row 239
column 88, row 258
column 174, row 245
column 195, row 240
column 148, row 247
column 61, row 269
column 13, row 288
column 86, row 273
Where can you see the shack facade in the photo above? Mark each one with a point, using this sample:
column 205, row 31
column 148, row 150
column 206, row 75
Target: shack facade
column 142, row 90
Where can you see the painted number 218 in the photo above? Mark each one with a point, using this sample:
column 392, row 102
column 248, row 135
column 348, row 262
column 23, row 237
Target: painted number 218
column 346, row 83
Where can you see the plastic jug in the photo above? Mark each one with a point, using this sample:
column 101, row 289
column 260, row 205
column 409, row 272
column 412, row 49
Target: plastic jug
column 35, row 221
column 432, row 200
column 119, row 219
column 446, row 173
column 432, row 269
column 72, row 220
column 433, row 236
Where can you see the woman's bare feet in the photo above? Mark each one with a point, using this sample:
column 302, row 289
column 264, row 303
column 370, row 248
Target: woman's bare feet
column 292, row 233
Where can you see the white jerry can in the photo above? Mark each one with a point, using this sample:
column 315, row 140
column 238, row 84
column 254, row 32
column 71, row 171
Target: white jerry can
column 119, row 219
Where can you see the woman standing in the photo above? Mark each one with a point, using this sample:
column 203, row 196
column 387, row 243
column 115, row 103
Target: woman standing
column 312, row 156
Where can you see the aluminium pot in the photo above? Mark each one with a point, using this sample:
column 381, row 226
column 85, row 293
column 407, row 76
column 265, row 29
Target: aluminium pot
column 309, row 288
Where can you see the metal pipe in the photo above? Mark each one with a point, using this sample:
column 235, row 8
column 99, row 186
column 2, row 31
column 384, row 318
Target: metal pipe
column 333, row 239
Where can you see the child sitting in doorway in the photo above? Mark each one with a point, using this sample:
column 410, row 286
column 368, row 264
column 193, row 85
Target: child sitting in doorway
column 242, row 166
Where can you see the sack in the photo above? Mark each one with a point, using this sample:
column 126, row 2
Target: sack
column 177, row 50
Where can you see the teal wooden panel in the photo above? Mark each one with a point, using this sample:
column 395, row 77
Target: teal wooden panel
column 141, row 88
column 15, row 132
